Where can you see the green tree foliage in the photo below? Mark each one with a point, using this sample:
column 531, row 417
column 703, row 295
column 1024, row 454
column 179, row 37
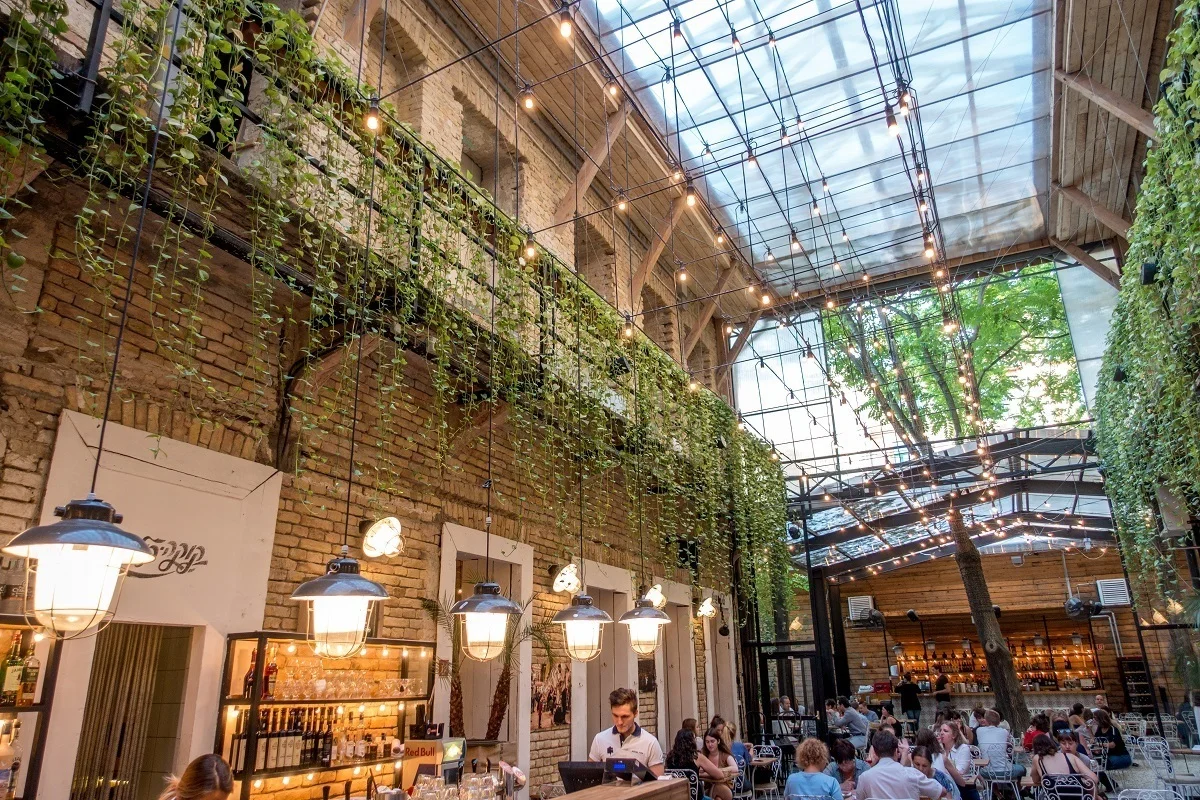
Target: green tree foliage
column 898, row 355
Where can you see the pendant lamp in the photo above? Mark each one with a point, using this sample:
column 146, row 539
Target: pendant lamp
column 75, row 566
column 644, row 621
column 485, row 616
column 339, row 607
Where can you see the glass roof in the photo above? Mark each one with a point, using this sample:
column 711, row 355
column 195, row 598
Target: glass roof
column 980, row 75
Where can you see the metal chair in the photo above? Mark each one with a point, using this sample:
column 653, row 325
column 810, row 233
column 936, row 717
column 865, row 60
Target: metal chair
column 1146, row 794
column 1067, row 787
column 1158, row 753
column 999, row 771
column 692, row 778
column 770, row 789
column 743, row 785
column 1099, row 754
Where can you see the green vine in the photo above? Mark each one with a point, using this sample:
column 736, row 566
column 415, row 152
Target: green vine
column 373, row 247
column 1148, row 407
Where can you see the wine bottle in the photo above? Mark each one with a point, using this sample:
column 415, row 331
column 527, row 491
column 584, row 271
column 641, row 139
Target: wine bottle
column 248, row 680
column 237, row 748
column 260, row 755
column 10, row 685
column 269, row 676
column 29, row 678
column 327, row 743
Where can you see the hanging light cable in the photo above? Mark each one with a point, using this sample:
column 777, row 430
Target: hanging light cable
column 583, row 623
column 486, row 613
column 339, row 602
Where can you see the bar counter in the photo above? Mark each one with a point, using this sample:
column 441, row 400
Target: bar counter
column 661, row 789
column 1044, row 699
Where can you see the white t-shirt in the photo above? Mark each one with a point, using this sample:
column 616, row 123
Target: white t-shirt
column 961, row 756
column 640, row 745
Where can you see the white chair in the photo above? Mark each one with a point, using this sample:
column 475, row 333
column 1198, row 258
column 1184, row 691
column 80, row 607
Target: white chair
column 999, row 771
column 1146, row 794
column 743, row 785
column 691, row 777
column 770, row 789
column 1067, row 787
column 1158, row 753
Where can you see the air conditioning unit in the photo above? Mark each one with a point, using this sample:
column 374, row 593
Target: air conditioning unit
column 1113, row 592
column 1173, row 512
column 860, row 607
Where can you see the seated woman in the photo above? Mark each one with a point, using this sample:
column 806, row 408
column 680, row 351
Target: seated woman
column 1040, row 723
column 1083, row 733
column 1048, row 760
column 887, row 718
column 1107, row 732
column 922, row 759
column 955, row 759
column 846, row 766
column 683, row 755
column 718, row 753
column 812, row 757
column 1068, row 742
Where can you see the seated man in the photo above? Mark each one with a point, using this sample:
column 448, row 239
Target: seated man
column 841, row 714
column 891, row 780
column 992, row 741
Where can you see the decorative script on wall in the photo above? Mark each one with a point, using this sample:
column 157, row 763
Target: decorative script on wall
column 171, row 558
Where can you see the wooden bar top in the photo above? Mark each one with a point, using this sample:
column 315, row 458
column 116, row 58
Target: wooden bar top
column 661, row 789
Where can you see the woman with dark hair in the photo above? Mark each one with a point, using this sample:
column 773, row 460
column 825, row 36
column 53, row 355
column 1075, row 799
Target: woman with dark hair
column 206, row 778
column 845, row 765
column 719, row 755
column 1040, row 723
column 1107, row 732
column 1048, row 760
column 684, row 755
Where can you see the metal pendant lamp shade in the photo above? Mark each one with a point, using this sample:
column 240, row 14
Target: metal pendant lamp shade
column 485, row 617
column 339, row 607
column 75, row 566
column 644, row 621
column 583, row 626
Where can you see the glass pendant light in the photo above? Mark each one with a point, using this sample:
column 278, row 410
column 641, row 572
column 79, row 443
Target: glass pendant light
column 382, row 538
column 75, row 566
column 644, row 621
column 339, row 607
column 485, row 617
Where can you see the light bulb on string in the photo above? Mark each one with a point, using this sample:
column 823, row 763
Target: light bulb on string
column 750, row 157
column 893, row 127
column 530, row 248
column 795, row 243
column 719, row 235
column 799, row 123
column 734, row 41
column 690, row 193
column 845, row 236
column 766, row 299
column 677, row 30
column 769, row 255
column 825, row 185
column 622, row 201
column 527, row 98
column 566, row 26
column 681, row 274
column 816, row 208
column 922, row 203
column 612, row 87
column 771, row 40
column 372, row 121
column 783, row 135
column 628, row 330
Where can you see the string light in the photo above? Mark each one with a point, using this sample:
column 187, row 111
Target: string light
column 690, row 193
column 750, row 158
column 795, row 243
column 372, row 119
column 530, row 248
column 677, row 30
column 566, row 25
column 893, row 127
column 769, row 255
column 527, row 99
column 816, row 209
column 681, row 274
column 622, row 201
column 734, row 41
column 783, row 135
column 628, row 326
column 613, row 87
column 719, row 235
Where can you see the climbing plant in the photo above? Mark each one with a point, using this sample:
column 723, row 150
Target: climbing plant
column 1147, row 406
column 368, row 245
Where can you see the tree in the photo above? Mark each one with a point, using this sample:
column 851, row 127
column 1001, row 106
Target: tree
column 898, row 356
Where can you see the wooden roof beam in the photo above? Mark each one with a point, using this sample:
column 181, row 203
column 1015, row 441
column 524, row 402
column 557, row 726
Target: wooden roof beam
column 1109, row 100
column 738, row 344
column 662, row 235
column 352, row 28
column 572, row 199
column 1090, row 262
column 706, row 313
column 1109, row 219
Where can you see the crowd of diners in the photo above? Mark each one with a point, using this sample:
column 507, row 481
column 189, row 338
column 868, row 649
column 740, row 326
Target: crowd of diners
column 868, row 757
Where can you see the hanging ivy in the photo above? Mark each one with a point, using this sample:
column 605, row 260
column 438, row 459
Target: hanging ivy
column 1147, row 405
column 373, row 244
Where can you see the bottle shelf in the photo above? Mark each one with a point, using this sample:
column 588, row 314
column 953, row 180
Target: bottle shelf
column 281, row 772
column 241, row 702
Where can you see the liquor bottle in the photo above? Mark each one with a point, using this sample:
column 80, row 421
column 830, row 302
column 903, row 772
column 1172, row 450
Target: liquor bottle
column 10, row 684
column 15, row 744
column 248, row 681
column 297, row 738
column 269, row 676
column 29, row 678
column 305, row 739
column 326, row 742
column 292, row 746
column 7, row 757
column 260, row 754
column 237, row 744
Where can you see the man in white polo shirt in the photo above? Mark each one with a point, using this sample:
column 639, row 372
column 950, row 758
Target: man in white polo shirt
column 626, row 739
